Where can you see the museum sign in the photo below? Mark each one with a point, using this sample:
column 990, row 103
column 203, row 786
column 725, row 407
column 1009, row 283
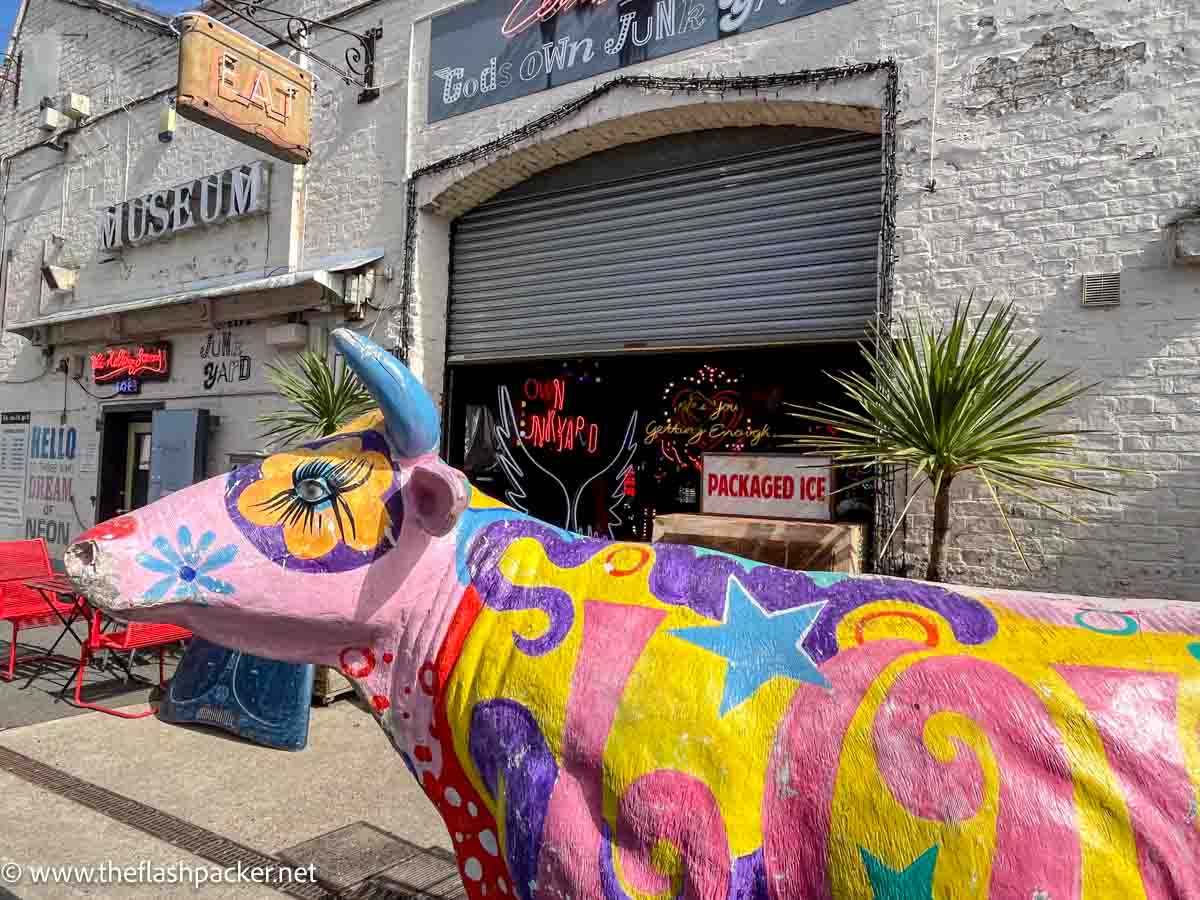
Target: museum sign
column 497, row 50
column 237, row 192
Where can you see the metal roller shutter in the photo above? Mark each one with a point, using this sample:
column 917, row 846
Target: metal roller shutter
column 771, row 247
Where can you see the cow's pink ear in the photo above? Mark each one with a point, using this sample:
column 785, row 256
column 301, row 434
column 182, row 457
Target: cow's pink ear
column 437, row 497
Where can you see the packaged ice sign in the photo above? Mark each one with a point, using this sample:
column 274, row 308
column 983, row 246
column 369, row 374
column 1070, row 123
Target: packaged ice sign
column 773, row 486
column 228, row 195
column 132, row 364
column 238, row 88
column 497, row 50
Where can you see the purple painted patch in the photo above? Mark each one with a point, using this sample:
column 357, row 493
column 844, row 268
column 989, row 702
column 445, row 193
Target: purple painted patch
column 498, row 593
column 505, row 741
column 682, row 576
column 269, row 540
column 749, row 878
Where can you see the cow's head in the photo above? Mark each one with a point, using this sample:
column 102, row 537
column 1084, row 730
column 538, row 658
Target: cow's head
column 314, row 549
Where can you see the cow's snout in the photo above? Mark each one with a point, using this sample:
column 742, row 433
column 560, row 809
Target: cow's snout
column 80, row 557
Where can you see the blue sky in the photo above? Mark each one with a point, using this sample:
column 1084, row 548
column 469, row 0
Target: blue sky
column 8, row 12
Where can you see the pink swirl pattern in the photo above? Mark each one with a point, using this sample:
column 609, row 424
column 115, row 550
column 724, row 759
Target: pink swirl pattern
column 649, row 812
column 1036, row 802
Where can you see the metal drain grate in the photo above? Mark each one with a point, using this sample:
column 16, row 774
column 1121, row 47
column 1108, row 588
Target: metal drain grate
column 154, row 822
column 350, row 855
column 362, row 862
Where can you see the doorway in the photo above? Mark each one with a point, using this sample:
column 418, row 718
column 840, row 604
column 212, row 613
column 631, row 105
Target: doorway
column 126, row 440
column 137, row 465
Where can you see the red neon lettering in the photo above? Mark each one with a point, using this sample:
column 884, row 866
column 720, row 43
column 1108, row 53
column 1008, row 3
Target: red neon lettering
column 546, row 9
column 114, row 363
column 552, row 392
column 561, row 433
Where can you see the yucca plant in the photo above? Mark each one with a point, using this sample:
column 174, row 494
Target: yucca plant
column 319, row 402
column 953, row 402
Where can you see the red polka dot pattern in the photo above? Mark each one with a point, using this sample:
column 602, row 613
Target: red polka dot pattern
column 357, row 662
column 476, row 842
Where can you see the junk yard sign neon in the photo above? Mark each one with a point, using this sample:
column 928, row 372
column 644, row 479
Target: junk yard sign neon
column 497, row 50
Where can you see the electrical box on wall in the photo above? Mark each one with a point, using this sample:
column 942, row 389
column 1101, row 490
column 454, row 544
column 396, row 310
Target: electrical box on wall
column 1183, row 242
column 75, row 106
column 292, row 336
column 52, row 119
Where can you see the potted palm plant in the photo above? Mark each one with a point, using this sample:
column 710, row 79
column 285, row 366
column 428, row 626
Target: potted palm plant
column 319, row 402
column 954, row 402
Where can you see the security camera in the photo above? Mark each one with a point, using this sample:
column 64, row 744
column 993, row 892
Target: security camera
column 166, row 124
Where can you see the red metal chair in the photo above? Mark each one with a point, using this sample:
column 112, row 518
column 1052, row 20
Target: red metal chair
column 24, row 607
column 134, row 636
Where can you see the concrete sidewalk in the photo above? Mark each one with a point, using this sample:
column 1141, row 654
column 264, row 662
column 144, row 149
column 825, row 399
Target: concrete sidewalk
column 268, row 800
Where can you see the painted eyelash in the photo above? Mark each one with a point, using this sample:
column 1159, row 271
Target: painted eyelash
column 339, row 478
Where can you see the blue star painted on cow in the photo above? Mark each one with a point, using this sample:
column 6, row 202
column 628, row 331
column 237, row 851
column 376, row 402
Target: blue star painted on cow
column 913, row 882
column 758, row 645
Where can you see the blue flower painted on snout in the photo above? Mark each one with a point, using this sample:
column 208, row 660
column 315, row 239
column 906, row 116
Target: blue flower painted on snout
column 187, row 569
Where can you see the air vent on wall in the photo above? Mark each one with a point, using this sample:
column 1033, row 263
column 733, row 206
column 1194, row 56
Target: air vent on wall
column 1102, row 290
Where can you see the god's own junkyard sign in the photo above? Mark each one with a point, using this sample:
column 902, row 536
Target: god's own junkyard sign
column 497, row 50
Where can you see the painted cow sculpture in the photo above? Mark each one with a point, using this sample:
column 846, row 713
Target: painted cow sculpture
column 598, row 719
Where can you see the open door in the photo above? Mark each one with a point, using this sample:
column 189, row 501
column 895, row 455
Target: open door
column 178, row 450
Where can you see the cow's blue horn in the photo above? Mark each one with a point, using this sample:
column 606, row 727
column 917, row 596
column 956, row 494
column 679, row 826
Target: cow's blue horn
column 412, row 419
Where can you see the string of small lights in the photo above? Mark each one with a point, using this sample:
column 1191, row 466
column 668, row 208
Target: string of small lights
column 719, row 86
column 677, row 449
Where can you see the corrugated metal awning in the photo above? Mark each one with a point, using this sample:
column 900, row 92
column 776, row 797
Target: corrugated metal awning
column 325, row 272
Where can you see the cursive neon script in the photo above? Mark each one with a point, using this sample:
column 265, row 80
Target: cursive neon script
column 110, row 364
column 542, row 11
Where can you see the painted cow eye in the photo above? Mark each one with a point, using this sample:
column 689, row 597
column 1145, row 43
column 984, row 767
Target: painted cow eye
column 312, row 490
column 317, row 485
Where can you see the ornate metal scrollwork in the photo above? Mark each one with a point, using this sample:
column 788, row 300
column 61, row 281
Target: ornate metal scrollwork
column 360, row 56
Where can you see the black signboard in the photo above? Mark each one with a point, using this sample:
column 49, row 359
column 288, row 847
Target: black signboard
column 493, row 51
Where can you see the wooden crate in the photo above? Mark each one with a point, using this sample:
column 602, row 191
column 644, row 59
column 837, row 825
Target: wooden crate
column 329, row 684
column 806, row 546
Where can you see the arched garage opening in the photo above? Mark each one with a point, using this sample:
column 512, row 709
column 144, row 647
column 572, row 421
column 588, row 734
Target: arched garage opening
column 619, row 322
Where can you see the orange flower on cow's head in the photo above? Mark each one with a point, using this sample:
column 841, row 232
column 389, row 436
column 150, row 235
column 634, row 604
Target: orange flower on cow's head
column 328, row 507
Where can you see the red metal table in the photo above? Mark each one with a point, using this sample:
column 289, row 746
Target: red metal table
column 60, row 586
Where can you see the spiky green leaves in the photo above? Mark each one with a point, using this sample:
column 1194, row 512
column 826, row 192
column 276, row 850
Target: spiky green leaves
column 954, row 400
column 319, row 402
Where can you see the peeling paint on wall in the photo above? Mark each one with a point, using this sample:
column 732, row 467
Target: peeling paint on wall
column 1068, row 62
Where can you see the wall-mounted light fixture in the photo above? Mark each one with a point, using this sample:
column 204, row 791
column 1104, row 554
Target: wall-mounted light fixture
column 166, row 122
column 60, row 278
